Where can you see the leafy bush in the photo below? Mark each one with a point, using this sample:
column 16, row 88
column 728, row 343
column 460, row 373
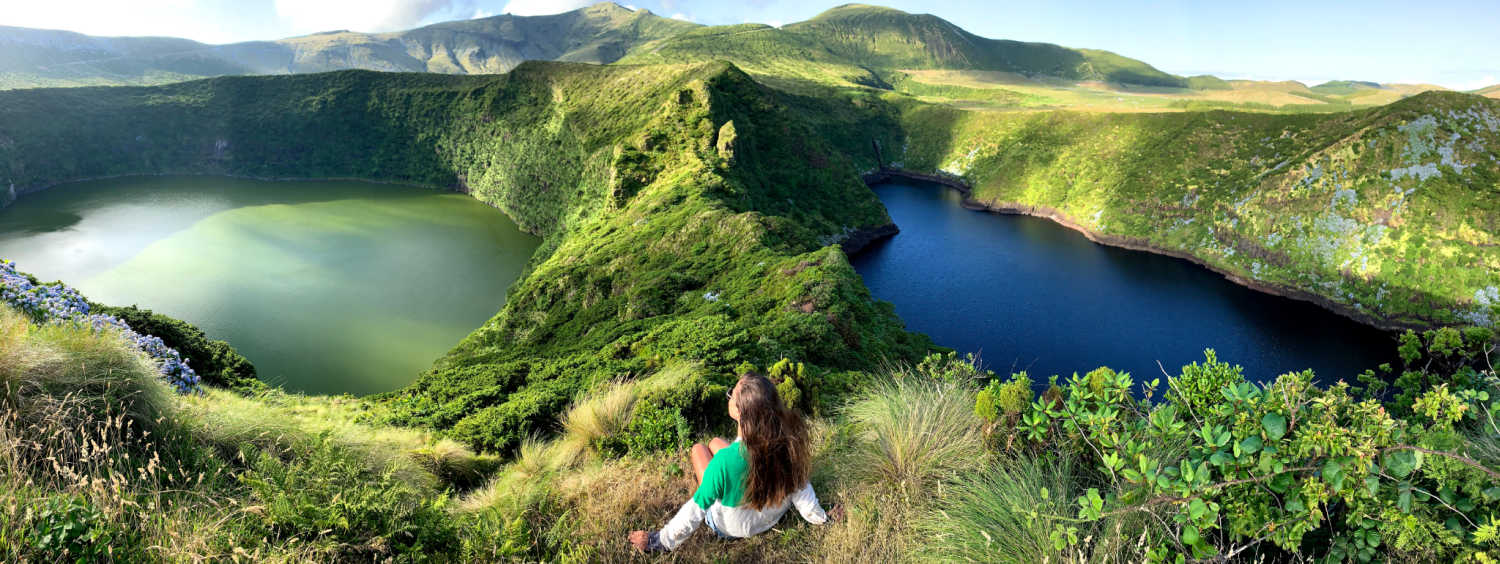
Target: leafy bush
column 1002, row 402
column 66, row 527
column 787, row 376
column 331, row 499
column 1307, row 470
column 215, row 361
column 1439, row 356
column 1199, row 384
column 657, row 426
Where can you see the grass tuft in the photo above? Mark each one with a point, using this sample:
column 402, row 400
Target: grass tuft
column 916, row 433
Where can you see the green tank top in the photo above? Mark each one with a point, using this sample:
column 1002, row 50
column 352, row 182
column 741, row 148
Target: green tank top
column 724, row 480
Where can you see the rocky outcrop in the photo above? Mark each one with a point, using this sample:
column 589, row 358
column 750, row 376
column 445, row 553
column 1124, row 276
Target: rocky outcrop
column 861, row 238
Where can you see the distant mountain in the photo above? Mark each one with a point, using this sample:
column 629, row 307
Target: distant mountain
column 1489, row 91
column 856, row 42
column 600, row 33
column 1346, row 87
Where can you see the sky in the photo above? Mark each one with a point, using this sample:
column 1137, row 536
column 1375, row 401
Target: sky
column 1453, row 43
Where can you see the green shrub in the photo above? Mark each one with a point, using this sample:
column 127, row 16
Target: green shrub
column 654, row 426
column 947, row 367
column 787, row 375
column 330, row 498
column 1440, row 356
column 66, row 527
column 1314, row 471
column 1199, row 385
column 1004, row 400
column 215, row 361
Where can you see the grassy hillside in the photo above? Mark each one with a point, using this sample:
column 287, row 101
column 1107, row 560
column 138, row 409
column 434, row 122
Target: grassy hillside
column 687, row 210
column 884, row 38
column 692, row 218
column 1489, row 92
column 596, row 34
column 36, row 57
column 1388, row 214
column 1005, row 91
column 858, row 45
column 848, row 45
column 100, row 461
column 775, row 56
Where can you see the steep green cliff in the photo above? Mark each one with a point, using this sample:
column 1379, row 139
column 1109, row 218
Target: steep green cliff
column 1390, row 214
column 688, row 212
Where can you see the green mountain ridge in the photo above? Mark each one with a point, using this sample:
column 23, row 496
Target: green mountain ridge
column 1384, row 213
column 652, row 186
column 600, row 33
column 697, row 220
column 864, row 45
column 850, row 44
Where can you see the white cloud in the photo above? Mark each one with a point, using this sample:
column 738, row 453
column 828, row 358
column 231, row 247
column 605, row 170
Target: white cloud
column 682, row 16
column 542, row 7
column 1473, row 84
column 631, row 7
column 171, row 18
column 307, row 16
column 481, row 13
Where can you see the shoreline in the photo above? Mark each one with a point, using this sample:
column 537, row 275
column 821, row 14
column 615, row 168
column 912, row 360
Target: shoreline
column 23, row 192
column 459, row 188
column 1129, row 243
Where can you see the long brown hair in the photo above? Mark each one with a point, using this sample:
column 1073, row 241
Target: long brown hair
column 775, row 441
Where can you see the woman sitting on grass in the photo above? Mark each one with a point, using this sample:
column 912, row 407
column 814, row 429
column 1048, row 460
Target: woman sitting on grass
column 744, row 487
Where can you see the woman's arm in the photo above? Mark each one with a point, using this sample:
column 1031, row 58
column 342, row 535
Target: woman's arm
column 678, row 529
column 682, row 525
column 807, row 504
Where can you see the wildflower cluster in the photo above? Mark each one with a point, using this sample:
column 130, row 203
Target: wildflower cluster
column 57, row 303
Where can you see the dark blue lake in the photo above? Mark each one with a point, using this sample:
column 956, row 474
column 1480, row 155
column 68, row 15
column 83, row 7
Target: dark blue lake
column 1027, row 294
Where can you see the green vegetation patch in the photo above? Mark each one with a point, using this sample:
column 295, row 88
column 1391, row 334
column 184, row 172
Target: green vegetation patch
column 687, row 211
column 1387, row 214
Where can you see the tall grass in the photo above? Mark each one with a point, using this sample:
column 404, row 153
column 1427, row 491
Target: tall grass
column 1000, row 514
column 100, row 461
column 88, row 444
column 596, row 417
column 916, row 433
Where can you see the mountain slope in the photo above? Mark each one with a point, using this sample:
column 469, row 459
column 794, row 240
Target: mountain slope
column 893, row 39
column 600, row 33
column 858, row 44
column 688, row 211
column 847, row 45
column 1388, row 214
column 885, row 38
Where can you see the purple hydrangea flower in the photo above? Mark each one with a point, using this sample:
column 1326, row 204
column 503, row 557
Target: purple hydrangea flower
column 59, row 304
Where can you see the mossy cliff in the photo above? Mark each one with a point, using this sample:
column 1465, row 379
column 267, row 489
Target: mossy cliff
column 1389, row 215
column 692, row 213
column 688, row 212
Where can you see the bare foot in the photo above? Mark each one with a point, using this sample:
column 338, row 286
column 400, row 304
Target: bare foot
column 638, row 539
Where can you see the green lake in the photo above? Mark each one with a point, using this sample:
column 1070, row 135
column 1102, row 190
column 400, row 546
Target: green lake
column 328, row 286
